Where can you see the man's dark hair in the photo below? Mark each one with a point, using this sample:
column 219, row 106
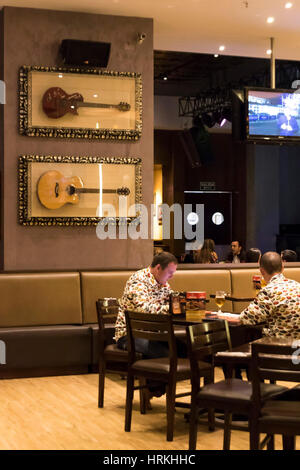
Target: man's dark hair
column 252, row 255
column 289, row 255
column 164, row 259
column 271, row 262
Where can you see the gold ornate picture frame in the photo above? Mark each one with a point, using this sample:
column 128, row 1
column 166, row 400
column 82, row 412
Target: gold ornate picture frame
column 79, row 103
column 81, row 191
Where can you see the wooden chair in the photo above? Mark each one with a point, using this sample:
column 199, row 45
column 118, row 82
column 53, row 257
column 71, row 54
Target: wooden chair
column 231, row 395
column 275, row 359
column 111, row 358
column 168, row 370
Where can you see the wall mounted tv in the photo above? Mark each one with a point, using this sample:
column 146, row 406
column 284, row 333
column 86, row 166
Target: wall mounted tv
column 272, row 114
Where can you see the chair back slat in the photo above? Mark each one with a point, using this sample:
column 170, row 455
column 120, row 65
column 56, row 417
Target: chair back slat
column 107, row 311
column 273, row 359
column 204, row 340
column 153, row 327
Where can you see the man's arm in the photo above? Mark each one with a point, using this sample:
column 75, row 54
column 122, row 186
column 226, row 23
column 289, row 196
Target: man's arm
column 258, row 311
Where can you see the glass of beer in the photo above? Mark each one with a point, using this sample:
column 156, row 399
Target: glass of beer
column 220, row 300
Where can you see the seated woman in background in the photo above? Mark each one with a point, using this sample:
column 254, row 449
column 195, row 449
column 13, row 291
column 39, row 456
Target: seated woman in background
column 207, row 253
column 253, row 255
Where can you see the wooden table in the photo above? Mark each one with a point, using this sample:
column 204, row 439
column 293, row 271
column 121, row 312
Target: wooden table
column 240, row 334
column 235, row 299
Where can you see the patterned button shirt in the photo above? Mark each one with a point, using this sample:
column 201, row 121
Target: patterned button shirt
column 143, row 293
column 278, row 305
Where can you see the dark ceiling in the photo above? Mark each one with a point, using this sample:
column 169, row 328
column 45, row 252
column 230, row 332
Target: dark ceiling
column 191, row 74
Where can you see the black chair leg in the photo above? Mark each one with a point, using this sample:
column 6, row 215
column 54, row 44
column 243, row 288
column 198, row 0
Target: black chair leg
column 143, row 400
column 254, row 435
column 211, row 419
column 170, row 402
column 271, row 444
column 101, row 385
column 227, row 430
column 193, row 425
column 288, row 442
column 129, row 398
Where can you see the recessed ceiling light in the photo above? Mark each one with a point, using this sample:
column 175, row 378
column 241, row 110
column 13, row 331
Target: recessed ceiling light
column 270, row 19
column 269, row 51
column 216, row 55
column 222, row 48
column 288, row 5
column 165, row 78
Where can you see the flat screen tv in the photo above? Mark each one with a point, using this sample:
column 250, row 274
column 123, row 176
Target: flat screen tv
column 272, row 114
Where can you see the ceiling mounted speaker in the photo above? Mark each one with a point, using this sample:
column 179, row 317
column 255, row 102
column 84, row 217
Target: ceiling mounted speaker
column 76, row 52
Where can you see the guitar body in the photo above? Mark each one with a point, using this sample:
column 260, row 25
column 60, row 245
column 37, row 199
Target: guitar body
column 56, row 102
column 55, row 190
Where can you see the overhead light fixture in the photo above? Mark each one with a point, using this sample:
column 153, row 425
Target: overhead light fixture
column 270, row 20
column 216, row 55
column 165, row 78
column 222, row 48
column 269, row 51
column 288, row 5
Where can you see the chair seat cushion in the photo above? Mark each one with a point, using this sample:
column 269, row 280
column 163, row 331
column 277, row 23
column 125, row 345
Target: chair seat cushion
column 162, row 366
column 277, row 409
column 113, row 353
column 236, row 391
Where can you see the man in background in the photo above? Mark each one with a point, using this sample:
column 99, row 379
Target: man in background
column 237, row 254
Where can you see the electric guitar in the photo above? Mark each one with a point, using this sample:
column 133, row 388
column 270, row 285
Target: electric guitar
column 54, row 190
column 56, row 103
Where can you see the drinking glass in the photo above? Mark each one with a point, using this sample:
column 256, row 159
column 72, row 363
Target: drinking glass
column 220, row 300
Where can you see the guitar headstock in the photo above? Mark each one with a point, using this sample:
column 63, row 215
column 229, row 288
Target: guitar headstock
column 123, row 106
column 123, row 191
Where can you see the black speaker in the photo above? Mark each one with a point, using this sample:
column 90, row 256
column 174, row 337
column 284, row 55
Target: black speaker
column 76, row 52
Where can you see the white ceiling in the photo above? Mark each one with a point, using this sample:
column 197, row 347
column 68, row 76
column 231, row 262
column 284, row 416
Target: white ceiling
column 202, row 25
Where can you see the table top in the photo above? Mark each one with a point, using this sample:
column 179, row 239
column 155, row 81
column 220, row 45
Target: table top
column 180, row 319
column 235, row 299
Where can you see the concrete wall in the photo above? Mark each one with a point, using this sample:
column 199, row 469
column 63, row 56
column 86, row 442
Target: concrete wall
column 33, row 37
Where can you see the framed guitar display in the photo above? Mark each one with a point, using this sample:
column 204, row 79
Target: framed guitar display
column 79, row 103
column 67, row 190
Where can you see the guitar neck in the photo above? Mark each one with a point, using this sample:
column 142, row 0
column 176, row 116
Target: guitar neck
column 83, row 104
column 95, row 190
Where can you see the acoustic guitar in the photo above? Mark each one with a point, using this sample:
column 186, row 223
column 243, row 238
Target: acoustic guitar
column 54, row 190
column 56, row 103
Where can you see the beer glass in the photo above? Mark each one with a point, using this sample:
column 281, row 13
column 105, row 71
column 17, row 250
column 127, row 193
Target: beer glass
column 220, row 300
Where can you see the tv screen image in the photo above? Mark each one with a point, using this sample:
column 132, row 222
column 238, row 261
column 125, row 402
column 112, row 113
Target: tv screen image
column 273, row 113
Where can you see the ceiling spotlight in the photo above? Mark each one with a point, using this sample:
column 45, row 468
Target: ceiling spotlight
column 288, row 5
column 165, row 78
column 269, row 51
column 271, row 19
column 216, row 55
column 222, row 48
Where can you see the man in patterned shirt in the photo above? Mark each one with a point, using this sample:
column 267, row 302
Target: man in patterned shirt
column 148, row 291
column 278, row 304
